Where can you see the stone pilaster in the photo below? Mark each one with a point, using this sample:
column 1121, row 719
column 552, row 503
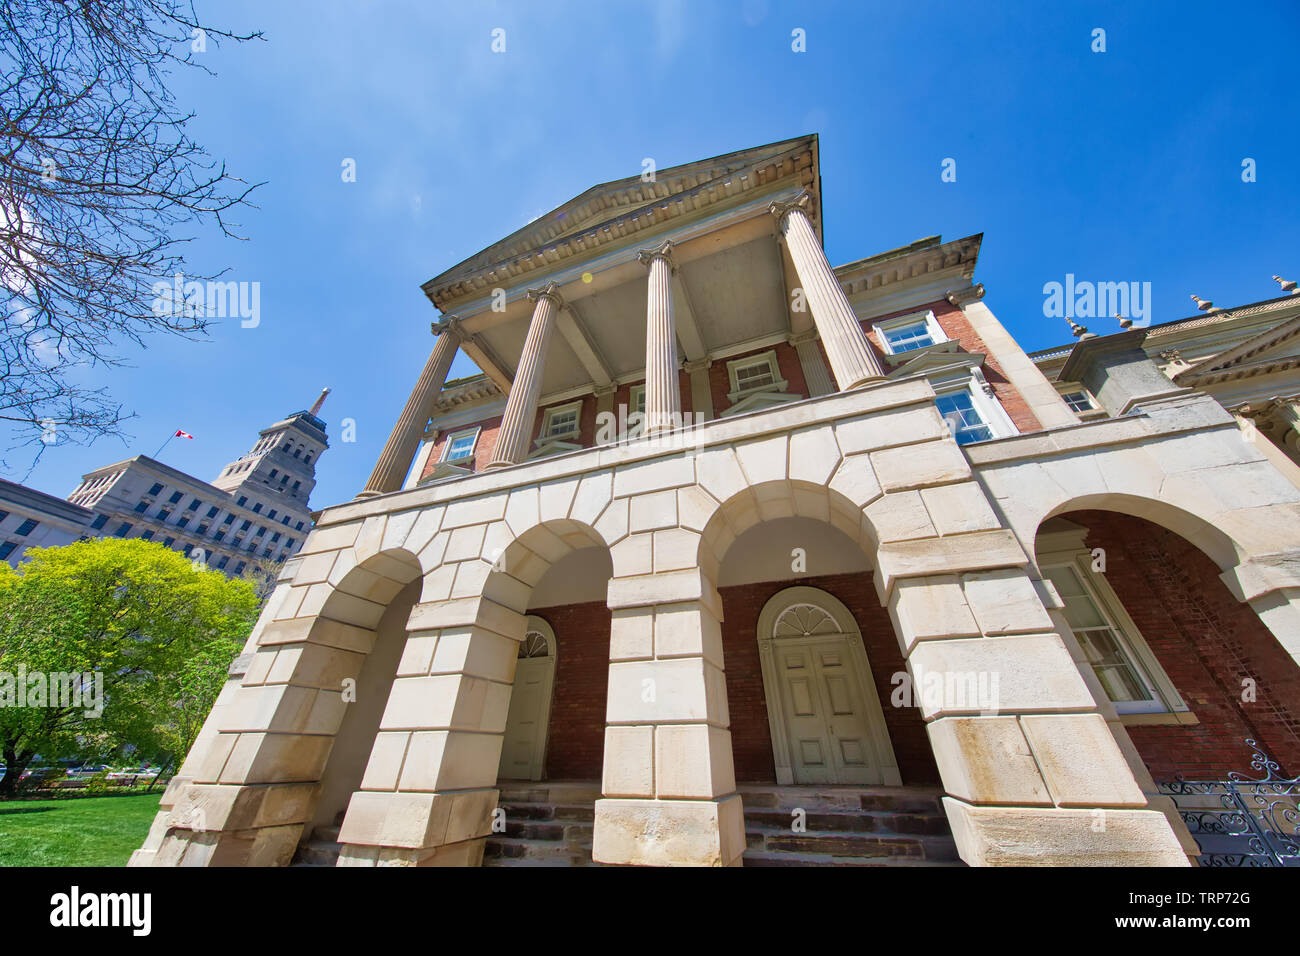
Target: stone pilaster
column 394, row 461
column 815, row 373
column 663, row 396
column 668, row 766
column 701, row 392
column 1038, row 393
column 521, row 408
column 605, row 397
column 847, row 348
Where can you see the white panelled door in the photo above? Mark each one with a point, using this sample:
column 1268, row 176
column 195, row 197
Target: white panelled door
column 828, row 726
column 523, row 753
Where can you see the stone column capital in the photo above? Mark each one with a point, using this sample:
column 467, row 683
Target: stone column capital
column 797, row 339
column 551, row 291
column 600, row 391
column 449, row 325
column 661, row 251
column 781, row 208
column 697, row 366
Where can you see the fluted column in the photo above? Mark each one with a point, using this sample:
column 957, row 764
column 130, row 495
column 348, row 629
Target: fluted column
column 395, row 460
column 663, row 394
column 847, row 348
column 521, row 408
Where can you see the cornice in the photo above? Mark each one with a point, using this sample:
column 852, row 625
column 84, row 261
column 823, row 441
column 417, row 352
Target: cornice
column 1222, row 365
column 644, row 207
column 910, row 262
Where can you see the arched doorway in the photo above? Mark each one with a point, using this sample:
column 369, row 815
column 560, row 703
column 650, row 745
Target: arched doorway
column 826, row 721
column 1194, row 685
column 523, row 753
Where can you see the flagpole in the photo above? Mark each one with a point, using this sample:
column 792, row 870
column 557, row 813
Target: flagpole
column 163, row 445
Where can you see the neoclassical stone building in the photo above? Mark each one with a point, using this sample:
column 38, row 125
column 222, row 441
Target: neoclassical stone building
column 735, row 555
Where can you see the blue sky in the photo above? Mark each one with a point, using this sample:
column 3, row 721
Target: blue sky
column 1115, row 166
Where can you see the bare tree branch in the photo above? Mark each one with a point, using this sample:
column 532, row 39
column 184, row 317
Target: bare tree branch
column 99, row 178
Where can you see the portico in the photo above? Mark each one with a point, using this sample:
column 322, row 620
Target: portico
column 736, row 251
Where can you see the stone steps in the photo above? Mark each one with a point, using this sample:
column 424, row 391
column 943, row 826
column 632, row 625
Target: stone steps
column 547, row 824
column 322, row 849
column 846, row 826
column 553, row 824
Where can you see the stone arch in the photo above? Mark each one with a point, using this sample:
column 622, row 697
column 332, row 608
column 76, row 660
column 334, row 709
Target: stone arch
column 251, row 785
column 1184, row 637
column 370, row 605
column 1214, row 541
column 517, row 568
column 754, row 504
column 354, row 584
column 429, row 789
column 1267, row 580
column 1210, row 486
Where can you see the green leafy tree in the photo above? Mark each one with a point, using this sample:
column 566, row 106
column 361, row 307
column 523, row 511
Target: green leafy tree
column 159, row 629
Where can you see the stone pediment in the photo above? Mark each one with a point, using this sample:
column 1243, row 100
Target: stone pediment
column 589, row 219
column 1274, row 350
column 941, row 356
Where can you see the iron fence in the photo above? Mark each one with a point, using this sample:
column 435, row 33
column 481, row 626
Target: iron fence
column 1243, row 820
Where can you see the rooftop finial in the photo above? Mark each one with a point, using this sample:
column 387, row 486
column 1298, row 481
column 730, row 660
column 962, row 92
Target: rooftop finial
column 319, row 402
column 1286, row 284
column 1080, row 331
column 1205, row 305
column 1124, row 322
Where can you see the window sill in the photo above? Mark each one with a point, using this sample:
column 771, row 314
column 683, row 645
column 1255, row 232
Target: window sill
column 1180, row 717
column 896, row 359
column 553, row 446
column 739, row 395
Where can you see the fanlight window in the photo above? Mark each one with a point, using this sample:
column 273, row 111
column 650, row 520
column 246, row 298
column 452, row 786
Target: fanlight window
column 534, row 644
column 804, row 620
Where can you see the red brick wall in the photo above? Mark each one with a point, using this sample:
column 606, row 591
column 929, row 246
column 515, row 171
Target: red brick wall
column 623, row 395
column 787, row 360
column 576, row 736
column 956, row 326
column 483, row 448
column 586, row 421
column 577, row 726
column 1207, row 642
column 751, row 738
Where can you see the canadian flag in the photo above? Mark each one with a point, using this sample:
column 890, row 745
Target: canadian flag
column 181, row 434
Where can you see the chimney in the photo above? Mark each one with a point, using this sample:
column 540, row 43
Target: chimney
column 1118, row 372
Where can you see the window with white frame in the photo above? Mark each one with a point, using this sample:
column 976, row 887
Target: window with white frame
column 1111, row 644
column 754, row 373
column 561, row 421
column 964, row 418
column 969, row 408
column 460, row 445
column 909, row 332
column 636, row 399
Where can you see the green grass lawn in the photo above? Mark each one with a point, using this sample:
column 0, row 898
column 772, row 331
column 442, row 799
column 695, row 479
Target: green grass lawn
column 75, row 831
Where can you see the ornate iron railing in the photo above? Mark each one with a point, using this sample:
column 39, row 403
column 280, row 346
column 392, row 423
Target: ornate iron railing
column 1242, row 821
